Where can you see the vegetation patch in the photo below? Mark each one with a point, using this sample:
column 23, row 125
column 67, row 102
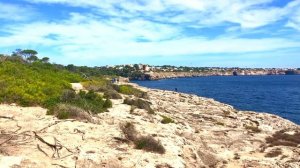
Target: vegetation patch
column 147, row 143
column 163, row 166
column 281, row 138
column 89, row 101
column 166, row 120
column 274, row 153
column 97, row 85
column 253, row 129
column 66, row 111
column 220, row 123
column 130, row 90
column 139, row 103
column 34, row 83
column 129, row 131
column 112, row 94
column 107, row 104
column 78, row 106
column 132, row 108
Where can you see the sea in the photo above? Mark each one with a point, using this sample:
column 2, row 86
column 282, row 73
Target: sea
column 278, row 94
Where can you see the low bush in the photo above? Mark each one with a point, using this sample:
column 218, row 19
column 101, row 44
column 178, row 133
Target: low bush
column 132, row 108
column 112, row 94
column 98, row 85
column 139, row 103
column 130, row 90
column 65, row 111
column 146, row 143
column 68, row 95
column 107, row 104
column 83, row 102
column 129, row 131
column 166, row 120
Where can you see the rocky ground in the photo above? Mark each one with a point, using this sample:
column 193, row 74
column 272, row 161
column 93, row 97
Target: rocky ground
column 205, row 133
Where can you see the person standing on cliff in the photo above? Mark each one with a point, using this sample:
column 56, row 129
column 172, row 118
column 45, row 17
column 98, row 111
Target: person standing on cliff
column 176, row 89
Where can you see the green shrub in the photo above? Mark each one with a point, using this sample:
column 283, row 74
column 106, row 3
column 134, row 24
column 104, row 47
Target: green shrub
column 88, row 101
column 63, row 115
column 50, row 112
column 98, row 85
column 130, row 90
column 33, row 84
column 68, row 95
column 51, row 102
column 166, row 120
column 139, row 103
column 107, row 103
column 112, row 94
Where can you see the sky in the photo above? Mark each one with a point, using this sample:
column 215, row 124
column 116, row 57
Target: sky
column 214, row 33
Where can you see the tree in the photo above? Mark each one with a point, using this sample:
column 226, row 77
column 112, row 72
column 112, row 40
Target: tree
column 71, row 67
column 136, row 66
column 17, row 52
column 28, row 53
column 32, row 58
column 45, row 60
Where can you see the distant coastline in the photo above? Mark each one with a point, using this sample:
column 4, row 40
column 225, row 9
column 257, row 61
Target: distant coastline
column 169, row 75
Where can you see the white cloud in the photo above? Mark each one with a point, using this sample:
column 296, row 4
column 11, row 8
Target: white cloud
column 246, row 13
column 15, row 12
column 85, row 37
column 294, row 21
column 143, row 28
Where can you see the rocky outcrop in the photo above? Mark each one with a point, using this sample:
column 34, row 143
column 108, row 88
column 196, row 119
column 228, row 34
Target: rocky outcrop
column 206, row 133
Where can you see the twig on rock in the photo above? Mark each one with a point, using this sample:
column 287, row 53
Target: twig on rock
column 6, row 140
column 40, row 149
column 56, row 147
column 5, row 117
column 78, row 131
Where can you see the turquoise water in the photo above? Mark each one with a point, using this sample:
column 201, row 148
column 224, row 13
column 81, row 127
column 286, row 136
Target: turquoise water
column 278, row 95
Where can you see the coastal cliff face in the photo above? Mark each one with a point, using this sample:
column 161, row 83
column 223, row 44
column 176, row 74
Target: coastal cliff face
column 205, row 133
column 166, row 75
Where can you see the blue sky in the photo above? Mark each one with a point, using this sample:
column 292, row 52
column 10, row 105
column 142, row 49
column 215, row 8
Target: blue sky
column 227, row 33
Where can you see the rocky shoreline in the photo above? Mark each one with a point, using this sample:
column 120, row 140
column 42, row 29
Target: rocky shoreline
column 168, row 75
column 205, row 133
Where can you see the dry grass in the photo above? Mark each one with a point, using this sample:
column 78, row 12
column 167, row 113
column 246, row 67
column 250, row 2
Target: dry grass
column 163, row 166
column 254, row 129
column 147, row 143
column 65, row 111
column 281, row 138
column 166, row 120
column 129, row 131
column 139, row 103
column 274, row 153
column 112, row 94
